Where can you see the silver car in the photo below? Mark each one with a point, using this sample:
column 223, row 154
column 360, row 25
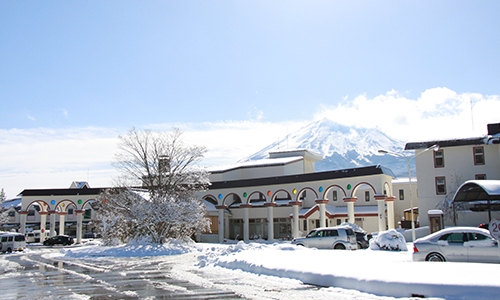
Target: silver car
column 339, row 237
column 459, row 244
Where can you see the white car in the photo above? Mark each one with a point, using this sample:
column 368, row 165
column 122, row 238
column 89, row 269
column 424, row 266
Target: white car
column 458, row 244
column 339, row 238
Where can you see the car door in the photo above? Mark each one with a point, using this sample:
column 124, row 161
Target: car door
column 482, row 248
column 452, row 246
column 316, row 240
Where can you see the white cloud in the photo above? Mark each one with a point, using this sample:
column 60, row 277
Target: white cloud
column 438, row 113
column 53, row 158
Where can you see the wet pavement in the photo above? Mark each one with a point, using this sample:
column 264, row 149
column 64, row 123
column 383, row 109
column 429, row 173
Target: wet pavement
column 137, row 278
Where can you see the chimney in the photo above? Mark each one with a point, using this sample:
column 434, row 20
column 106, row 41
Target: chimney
column 493, row 129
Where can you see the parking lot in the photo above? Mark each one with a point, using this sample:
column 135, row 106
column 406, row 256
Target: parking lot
column 37, row 277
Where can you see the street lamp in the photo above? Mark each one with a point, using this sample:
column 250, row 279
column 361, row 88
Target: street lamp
column 408, row 160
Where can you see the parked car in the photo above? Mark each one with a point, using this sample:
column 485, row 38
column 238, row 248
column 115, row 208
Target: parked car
column 58, row 240
column 363, row 238
column 339, row 237
column 459, row 244
column 12, row 242
column 33, row 236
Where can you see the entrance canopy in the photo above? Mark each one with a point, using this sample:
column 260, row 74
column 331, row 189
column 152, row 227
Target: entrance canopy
column 482, row 192
column 478, row 190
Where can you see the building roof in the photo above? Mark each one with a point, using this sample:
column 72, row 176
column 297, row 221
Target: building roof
column 256, row 164
column 446, row 143
column 493, row 137
column 61, row 192
column 316, row 176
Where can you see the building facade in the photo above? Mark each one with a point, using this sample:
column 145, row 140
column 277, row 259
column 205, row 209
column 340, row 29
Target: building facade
column 440, row 173
column 282, row 197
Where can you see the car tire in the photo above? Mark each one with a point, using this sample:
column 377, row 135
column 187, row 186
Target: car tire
column 9, row 250
column 339, row 247
column 435, row 257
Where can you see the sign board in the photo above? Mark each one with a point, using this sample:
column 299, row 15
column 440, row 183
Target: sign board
column 494, row 228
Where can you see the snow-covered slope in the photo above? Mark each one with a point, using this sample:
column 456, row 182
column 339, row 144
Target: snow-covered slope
column 342, row 147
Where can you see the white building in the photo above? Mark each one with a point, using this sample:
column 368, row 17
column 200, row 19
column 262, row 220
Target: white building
column 282, row 197
column 440, row 174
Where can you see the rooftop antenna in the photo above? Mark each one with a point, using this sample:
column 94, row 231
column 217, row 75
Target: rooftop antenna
column 471, row 115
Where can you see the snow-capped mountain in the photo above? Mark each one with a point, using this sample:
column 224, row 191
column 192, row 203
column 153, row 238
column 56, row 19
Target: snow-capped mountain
column 342, row 147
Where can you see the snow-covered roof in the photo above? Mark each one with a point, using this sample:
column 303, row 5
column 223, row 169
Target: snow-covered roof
column 476, row 190
column 307, row 177
column 310, row 154
column 11, row 203
column 79, row 185
column 268, row 162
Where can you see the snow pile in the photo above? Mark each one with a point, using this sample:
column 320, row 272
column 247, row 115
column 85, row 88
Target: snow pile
column 132, row 249
column 388, row 240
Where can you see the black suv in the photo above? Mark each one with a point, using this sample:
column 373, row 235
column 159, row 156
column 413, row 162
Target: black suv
column 58, row 240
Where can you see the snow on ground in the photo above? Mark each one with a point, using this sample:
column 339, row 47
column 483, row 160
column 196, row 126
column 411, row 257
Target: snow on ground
column 375, row 272
column 383, row 273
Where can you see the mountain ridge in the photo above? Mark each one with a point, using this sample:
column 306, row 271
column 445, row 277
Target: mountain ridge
column 341, row 146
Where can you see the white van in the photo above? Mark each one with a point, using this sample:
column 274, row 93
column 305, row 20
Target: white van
column 12, row 242
column 33, row 236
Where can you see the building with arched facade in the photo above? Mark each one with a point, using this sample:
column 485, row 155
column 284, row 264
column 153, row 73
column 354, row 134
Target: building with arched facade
column 282, row 197
column 66, row 211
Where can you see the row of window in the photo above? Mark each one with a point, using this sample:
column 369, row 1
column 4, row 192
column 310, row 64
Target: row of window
column 478, row 156
column 441, row 183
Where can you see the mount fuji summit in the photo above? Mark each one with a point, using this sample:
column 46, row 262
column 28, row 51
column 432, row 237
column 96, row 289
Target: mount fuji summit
column 342, row 147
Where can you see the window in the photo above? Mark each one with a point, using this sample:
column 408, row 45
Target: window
column 478, row 156
column 401, row 194
column 339, row 221
column 440, row 186
column 455, row 237
column 87, row 214
column 71, row 211
column 335, row 196
column 367, row 196
column 439, row 159
column 331, row 233
column 480, row 176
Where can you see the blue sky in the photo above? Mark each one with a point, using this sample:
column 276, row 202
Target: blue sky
column 132, row 63
column 243, row 73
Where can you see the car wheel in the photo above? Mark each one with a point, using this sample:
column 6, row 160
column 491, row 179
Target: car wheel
column 339, row 247
column 435, row 257
column 360, row 246
column 9, row 250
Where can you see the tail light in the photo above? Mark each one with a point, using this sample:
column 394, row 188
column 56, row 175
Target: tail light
column 415, row 249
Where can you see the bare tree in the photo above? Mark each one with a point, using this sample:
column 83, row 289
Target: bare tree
column 447, row 205
column 155, row 197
